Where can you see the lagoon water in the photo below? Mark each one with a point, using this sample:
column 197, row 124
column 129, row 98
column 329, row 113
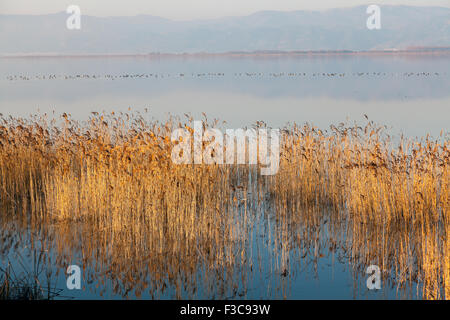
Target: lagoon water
column 409, row 94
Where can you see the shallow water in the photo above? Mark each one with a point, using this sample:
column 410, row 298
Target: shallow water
column 286, row 257
column 298, row 258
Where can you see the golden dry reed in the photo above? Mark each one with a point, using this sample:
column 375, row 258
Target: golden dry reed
column 108, row 190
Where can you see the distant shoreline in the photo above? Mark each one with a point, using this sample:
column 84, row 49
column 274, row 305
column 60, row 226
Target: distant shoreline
column 263, row 53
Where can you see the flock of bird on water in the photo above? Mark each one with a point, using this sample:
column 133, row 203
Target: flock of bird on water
column 218, row 75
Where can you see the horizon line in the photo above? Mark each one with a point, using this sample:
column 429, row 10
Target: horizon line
column 392, row 51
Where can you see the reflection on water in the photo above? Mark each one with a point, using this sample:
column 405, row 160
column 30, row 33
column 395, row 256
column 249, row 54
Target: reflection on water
column 308, row 254
column 408, row 93
column 139, row 227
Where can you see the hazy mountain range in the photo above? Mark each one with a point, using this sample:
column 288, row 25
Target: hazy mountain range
column 335, row 29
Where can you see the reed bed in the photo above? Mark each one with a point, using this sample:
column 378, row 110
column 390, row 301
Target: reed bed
column 108, row 190
column 392, row 196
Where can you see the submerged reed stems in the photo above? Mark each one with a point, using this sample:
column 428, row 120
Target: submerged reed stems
column 109, row 187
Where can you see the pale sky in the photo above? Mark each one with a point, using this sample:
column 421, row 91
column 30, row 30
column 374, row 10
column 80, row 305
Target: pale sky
column 190, row 9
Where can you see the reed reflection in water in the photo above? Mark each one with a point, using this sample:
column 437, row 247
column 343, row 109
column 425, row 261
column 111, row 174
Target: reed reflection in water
column 106, row 193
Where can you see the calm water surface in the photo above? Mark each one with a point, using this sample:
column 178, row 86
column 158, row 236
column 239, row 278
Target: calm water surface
column 408, row 94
